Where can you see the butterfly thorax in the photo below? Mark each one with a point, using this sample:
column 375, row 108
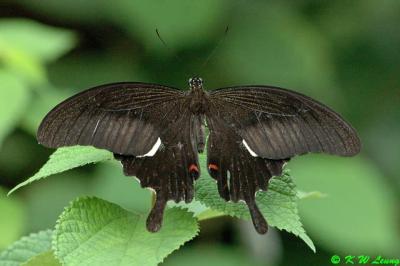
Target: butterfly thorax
column 198, row 97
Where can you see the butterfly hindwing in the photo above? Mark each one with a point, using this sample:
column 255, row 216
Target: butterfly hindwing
column 172, row 170
column 278, row 123
column 125, row 118
column 239, row 175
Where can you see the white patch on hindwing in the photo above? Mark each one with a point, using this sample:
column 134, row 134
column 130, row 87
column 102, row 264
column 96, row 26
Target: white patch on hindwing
column 252, row 153
column 153, row 150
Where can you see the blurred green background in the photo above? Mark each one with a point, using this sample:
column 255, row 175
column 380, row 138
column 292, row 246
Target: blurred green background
column 343, row 53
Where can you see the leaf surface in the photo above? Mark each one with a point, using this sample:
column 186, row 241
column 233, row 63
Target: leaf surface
column 96, row 232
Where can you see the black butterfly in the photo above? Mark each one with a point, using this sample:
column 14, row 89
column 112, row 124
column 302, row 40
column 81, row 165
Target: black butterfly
column 157, row 132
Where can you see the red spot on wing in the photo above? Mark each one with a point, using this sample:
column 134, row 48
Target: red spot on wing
column 212, row 166
column 193, row 168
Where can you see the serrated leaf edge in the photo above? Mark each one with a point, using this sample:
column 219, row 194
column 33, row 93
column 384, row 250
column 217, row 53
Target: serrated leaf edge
column 24, row 238
column 195, row 235
column 32, row 178
column 73, row 202
column 301, row 233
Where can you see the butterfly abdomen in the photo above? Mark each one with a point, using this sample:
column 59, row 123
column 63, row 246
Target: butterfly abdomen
column 198, row 132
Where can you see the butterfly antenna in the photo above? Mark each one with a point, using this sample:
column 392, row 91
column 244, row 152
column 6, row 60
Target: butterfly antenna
column 216, row 47
column 166, row 46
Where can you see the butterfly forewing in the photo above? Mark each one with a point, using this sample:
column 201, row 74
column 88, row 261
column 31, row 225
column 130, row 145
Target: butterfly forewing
column 125, row 118
column 277, row 123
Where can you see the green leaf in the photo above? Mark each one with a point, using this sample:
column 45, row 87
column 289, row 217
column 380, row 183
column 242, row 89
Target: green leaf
column 200, row 211
column 21, row 63
column 92, row 231
column 67, row 158
column 44, row 259
column 310, row 195
column 212, row 254
column 26, row 248
column 278, row 204
column 359, row 215
column 196, row 207
column 40, row 41
column 25, row 45
column 12, row 219
column 14, row 97
column 208, row 214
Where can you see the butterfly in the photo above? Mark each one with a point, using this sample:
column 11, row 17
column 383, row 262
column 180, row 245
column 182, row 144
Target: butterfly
column 157, row 132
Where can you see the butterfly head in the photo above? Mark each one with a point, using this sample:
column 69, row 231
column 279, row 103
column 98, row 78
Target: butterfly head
column 196, row 83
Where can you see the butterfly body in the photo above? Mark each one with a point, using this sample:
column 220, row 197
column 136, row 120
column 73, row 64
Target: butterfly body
column 157, row 132
column 198, row 97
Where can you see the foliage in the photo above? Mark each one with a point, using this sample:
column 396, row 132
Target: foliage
column 67, row 158
column 26, row 248
column 278, row 204
column 93, row 231
column 46, row 258
column 12, row 101
column 12, row 216
column 25, row 45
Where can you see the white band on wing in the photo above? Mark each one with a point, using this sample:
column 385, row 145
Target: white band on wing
column 250, row 150
column 153, row 150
